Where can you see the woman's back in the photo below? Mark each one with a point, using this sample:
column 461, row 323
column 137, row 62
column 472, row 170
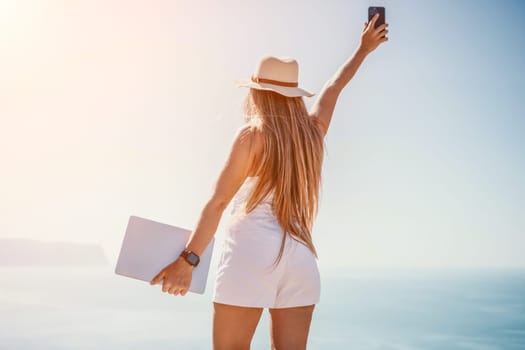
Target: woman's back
column 242, row 194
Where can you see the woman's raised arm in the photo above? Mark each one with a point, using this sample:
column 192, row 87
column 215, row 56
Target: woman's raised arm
column 324, row 106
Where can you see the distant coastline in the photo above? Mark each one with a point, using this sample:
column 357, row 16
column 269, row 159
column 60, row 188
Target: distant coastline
column 31, row 252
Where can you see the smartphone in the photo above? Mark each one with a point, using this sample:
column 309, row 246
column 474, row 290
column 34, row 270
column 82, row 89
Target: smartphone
column 372, row 10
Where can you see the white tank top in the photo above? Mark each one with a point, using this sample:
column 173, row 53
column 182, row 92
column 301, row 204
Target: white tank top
column 263, row 209
column 261, row 219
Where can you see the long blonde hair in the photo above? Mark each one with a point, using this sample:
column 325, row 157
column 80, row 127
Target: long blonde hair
column 290, row 164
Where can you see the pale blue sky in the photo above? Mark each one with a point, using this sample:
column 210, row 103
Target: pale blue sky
column 111, row 109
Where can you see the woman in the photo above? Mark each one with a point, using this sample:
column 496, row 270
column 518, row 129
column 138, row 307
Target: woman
column 274, row 171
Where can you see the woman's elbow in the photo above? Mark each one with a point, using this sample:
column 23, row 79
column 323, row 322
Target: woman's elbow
column 217, row 204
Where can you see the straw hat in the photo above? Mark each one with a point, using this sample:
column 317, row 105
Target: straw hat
column 279, row 74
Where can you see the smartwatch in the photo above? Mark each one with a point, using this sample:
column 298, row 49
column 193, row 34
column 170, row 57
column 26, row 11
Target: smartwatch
column 192, row 258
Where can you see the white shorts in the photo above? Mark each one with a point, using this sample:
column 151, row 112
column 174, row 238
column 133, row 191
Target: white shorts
column 246, row 275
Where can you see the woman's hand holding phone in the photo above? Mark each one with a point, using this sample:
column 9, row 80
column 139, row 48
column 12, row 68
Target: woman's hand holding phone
column 371, row 37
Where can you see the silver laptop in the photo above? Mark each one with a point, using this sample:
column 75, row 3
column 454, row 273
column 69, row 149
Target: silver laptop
column 149, row 246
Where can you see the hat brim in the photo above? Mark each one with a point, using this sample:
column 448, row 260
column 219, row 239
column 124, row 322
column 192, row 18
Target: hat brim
column 283, row 90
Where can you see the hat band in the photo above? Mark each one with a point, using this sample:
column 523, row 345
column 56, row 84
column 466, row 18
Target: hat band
column 275, row 82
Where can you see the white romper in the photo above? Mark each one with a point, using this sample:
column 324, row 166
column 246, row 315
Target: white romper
column 247, row 275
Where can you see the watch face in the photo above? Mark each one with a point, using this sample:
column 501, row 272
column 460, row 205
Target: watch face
column 193, row 259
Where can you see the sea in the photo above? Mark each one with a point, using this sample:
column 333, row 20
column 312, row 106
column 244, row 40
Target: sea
column 78, row 308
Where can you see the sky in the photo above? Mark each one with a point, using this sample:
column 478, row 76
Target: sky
column 119, row 108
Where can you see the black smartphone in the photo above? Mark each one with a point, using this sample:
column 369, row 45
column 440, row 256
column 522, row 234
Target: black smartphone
column 372, row 10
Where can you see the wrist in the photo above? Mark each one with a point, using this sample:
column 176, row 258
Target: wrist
column 185, row 262
column 190, row 257
column 361, row 52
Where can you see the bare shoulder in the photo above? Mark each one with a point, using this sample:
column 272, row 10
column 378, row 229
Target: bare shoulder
column 237, row 165
column 251, row 136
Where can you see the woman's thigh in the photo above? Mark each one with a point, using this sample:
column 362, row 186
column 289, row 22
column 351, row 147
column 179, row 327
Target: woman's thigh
column 289, row 327
column 234, row 326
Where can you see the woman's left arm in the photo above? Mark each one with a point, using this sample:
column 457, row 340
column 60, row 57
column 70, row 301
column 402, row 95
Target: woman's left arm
column 231, row 178
column 177, row 275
